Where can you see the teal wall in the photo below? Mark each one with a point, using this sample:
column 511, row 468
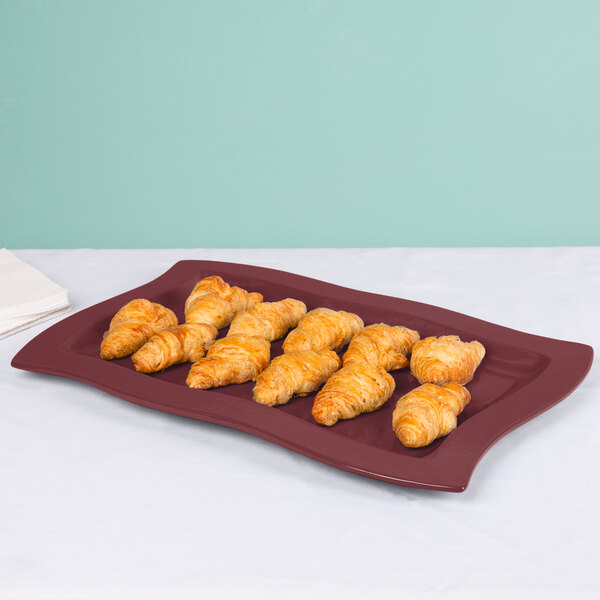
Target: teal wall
column 287, row 123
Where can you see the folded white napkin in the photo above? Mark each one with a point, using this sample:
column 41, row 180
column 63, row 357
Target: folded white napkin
column 26, row 296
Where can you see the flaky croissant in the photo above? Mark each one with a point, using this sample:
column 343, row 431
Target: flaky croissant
column 381, row 345
column 428, row 412
column 295, row 374
column 215, row 302
column 233, row 359
column 184, row 343
column 271, row 320
column 445, row 359
column 133, row 325
column 323, row 328
column 353, row 390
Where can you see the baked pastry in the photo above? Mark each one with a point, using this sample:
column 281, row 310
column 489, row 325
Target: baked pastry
column 323, row 328
column 428, row 412
column 444, row 359
column 215, row 302
column 232, row 359
column 271, row 320
column 295, row 374
column 184, row 343
column 133, row 325
column 353, row 390
column 381, row 345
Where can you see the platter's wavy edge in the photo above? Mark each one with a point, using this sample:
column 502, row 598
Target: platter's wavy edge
column 447, row 470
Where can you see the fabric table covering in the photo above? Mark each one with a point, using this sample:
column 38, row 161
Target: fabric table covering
column 101, row 498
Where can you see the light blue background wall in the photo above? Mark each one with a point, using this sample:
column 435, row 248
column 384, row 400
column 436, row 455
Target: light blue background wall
column 286, row 123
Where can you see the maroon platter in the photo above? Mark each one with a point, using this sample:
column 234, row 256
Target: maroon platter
column 521, row 376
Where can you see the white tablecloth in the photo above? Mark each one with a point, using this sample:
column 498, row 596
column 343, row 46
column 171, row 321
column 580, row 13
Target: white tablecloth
column 104, row 499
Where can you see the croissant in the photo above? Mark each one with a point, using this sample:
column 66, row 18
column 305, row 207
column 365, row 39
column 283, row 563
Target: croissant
column 215, row 302
column 323, row 328
column 428, row 412
column 354, row 389
column 133, row 325
column 381, row 345
column 444, row 359
column 295, row 374
column 187, row 342
column 232, row 359
column 271, row 320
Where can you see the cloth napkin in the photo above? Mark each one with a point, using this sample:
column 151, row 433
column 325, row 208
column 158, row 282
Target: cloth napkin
column 27, row 297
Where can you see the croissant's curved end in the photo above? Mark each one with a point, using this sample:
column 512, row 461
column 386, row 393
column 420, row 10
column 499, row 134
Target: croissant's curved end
column 145, row 361
column 110, row 349
column 254, row 298
column 325, row 412
column 412, row 433
column 267, row 393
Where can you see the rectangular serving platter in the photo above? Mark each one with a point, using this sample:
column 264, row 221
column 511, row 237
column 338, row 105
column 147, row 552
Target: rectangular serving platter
column 521, row 376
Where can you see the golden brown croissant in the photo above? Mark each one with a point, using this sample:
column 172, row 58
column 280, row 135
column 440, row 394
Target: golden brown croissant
column 271, row 320
column 232, row 359
column 132, row 327
column 295, row 374
column 323, row 328
column 215, row 302
column 445, row 359
column 381, row 345
column 353, row 390
column 187, row 342
column 428, row 412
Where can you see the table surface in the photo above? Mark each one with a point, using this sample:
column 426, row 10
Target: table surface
column 105, row 499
